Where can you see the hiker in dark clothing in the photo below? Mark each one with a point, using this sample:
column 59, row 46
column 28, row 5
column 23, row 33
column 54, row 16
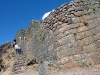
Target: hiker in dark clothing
column 13, row 43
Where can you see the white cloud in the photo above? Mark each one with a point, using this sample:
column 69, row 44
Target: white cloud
column 71, row 1
column 46, row 14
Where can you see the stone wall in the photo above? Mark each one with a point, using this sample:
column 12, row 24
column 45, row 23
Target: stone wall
column 70, row 35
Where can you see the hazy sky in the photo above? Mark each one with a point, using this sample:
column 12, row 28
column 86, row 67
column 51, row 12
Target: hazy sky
column 17, row 14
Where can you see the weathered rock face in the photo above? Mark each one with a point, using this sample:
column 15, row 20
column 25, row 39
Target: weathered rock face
column 70, row 35
column 6, row 56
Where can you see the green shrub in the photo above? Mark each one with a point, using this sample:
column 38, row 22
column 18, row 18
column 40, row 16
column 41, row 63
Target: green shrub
column 99, row 1
column 75, row 34
column 41, row 62
column 85, row 23
column 88, row 13
column 87, row 8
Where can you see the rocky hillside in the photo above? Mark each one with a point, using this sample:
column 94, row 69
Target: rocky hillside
column 7, row 56
column 69, row 35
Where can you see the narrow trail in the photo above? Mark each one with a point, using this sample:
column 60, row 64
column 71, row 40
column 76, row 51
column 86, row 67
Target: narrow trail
column 76, row 71
column 29, row 72
column 18, row 69
column 18, row 64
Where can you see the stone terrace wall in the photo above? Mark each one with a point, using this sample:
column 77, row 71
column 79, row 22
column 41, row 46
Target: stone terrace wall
column 37, row 45
column 74, row 33
column 70, row 35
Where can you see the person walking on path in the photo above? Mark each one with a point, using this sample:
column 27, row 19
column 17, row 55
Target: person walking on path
column 17, row 48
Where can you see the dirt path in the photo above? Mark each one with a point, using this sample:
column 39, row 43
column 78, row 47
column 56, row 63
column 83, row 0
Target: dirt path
column 84, row 71
column 29, row 72
column 75, row 71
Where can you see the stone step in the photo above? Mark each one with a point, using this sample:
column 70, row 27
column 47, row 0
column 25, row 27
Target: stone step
column 18, row 69
column 18, row 66
column 19, row 62
column 16, row 72
column 20, row 59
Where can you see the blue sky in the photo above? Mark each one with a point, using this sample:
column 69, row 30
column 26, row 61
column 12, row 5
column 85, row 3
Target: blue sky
column 17, row 14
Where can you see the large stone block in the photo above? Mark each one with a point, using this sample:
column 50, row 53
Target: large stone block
column 97, row 44
column 76, row 20
column 58, row 48
column 91, row 24
column 61, row 54
column 56, row 32
column 64, row 24
column 88, row 40
column 77, row 43
column 81, row 24
column 65, row 60
column 66, row 33
column 63, row 29
column 96, row 60
column 92, row 16
column 63, row 40
column 71, row 37
column 70, row 9
column 55, row 45
column 73, row 31
column 79, row 51
column 85, row 18
column 77, row 57
column 50, row 48
column 71, row 15
column 58, row 27
column 85, row 56
column 97, row 37
column 78, row 13
column 77, row 0
column 90, row 10
column 61, row 35
column 83, row 28
column 88, row 33
column 60, row 42
column 94, row 31
column 89, row 48
column 97, row 22
column 76, row 8
column 98, row 29
column 73, row 26
column 80, row 35
column 84, row 12
column 80, row 43
column 71, row 51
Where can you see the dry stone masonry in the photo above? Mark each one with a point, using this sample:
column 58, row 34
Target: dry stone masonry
column 69, row 36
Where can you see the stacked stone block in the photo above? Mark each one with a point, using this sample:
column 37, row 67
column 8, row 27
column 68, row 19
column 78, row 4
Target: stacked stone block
column 70, row 35
column 73, row 31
